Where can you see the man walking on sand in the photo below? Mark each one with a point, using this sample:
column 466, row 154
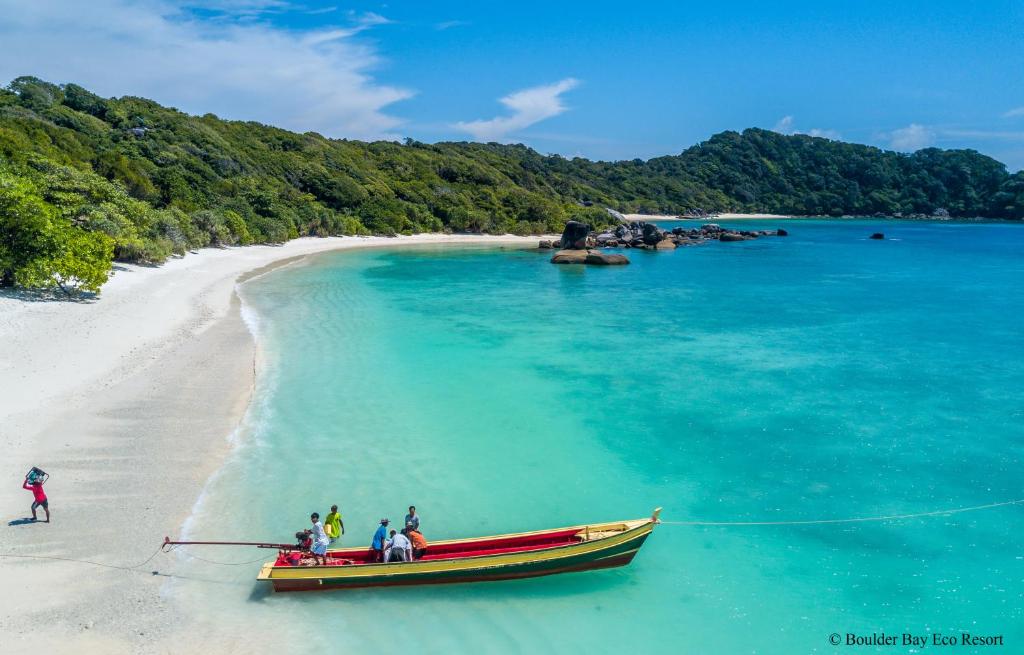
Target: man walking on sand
column 39, row 497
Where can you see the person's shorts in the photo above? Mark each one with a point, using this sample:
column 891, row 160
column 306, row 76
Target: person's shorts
column 320, row 549
column 45, row 504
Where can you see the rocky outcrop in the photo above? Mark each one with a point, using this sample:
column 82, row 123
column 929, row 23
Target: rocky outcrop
column 571, row 256
column 731, row 236
column 651, row 234
column 578, row 242
column 574, row 236
column 592, row 257
column 596, row 258
column 545, row 244
column 616, row 215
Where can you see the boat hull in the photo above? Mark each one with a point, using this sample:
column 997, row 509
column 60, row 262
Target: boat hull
column 609, row 552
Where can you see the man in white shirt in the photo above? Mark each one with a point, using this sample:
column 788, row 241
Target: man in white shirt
column 320, row 540
column 399, row 548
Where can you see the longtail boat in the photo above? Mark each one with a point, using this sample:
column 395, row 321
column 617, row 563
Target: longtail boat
column 500, row 557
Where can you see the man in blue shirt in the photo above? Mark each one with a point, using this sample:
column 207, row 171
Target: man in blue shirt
column 379, row 537
column 412, row 517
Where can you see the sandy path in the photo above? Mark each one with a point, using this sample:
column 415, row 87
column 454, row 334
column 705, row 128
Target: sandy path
column 127, row 401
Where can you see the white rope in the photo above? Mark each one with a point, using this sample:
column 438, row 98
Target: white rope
column 892, row 517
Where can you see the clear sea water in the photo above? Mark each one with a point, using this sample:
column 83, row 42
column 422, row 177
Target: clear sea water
column 823, row 375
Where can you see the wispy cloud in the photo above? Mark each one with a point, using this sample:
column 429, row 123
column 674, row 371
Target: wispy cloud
column 912, row 137
column 786, row 125
column 303, row 80
column 1015, row 112
column 448, row 24
column 528, row 106
column 368, row 19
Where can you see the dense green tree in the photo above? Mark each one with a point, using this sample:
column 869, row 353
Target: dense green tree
column 25, row 234
column 40, row 249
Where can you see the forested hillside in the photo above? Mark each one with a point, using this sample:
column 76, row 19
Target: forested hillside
column 85, row 179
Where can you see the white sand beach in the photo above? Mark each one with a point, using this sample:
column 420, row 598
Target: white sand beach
column 751, row 216
column 127, row 401
column 668, row 217
column 651, row 217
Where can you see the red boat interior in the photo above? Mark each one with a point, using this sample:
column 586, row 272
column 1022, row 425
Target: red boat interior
column 473, row 548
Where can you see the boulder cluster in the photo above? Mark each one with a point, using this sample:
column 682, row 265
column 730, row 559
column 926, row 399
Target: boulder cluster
column 580, row 245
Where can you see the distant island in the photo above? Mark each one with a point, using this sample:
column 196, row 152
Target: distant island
column 86, row 180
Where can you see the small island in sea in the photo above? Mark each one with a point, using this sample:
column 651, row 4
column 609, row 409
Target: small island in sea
column 732, row 365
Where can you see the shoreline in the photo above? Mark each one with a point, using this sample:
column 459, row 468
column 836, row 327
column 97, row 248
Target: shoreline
column 663, row 218
column 129, row 401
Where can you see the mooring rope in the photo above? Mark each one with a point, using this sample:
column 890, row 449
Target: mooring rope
column 862, row 519
column 261, row 558
column 132, row 568
column 86, row 561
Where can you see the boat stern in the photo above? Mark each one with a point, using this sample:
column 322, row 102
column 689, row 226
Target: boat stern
column 266, row 571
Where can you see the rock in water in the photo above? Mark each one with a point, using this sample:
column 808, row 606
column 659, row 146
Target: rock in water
column 732, row 236
column 605, row 259
column 877, row 235
column 781, row 233
column 665, row 244
column 574, row 236
column 593, row 257
column 569, row 257
column 544, row 244
column 616, row 215
column 652, row 234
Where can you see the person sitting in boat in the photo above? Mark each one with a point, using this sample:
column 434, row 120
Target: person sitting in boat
column 399, row 548
column 419, row 542
column 412, row 517
column 377, row 545
column 320, row 540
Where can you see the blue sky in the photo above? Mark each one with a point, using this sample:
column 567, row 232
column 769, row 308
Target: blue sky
column 608, row 80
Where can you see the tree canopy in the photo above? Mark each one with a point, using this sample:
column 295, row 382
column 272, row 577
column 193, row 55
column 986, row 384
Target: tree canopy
column 86, row 179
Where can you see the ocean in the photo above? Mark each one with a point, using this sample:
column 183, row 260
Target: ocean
column 817, row 376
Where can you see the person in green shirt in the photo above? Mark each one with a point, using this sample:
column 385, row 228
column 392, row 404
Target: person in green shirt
column 335, row 526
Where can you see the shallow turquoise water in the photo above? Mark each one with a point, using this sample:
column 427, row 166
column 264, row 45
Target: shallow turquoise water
column 821, row 375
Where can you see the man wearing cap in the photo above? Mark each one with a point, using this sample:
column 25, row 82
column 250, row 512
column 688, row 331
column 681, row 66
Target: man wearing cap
column 379, row 537
column 419, row 542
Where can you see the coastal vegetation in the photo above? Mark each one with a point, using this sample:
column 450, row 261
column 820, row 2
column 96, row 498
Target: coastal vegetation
column 86, row 180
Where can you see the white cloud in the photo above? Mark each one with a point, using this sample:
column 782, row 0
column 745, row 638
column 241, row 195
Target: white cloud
column 1013, row 113
column 784, row 126
column 302, row 80
column 825, row 134
column 528, row 106
column 448, row 24
column 912, row 137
